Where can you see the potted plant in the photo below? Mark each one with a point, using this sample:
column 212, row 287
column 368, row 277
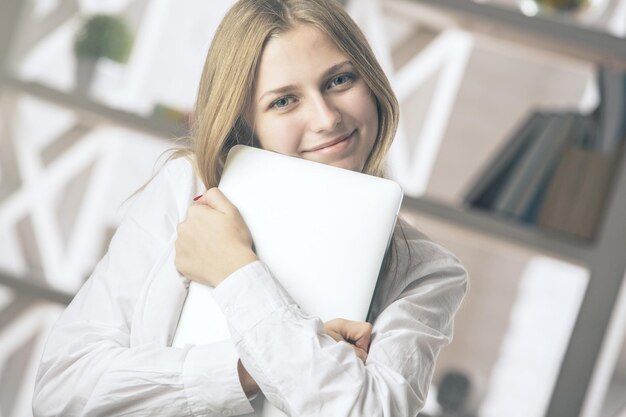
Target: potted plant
column 101, row 36
column 584, row 10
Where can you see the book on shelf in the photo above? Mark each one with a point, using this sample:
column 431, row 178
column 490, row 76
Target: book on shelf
column 610, row 111
column 555, row 171
column 535, row 167
column 576, row 131
column 491, row 180
column 575, row 197
column 560, row 189
column 561, row 192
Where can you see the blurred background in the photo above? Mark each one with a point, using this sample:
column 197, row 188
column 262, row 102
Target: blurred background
column 509, row 152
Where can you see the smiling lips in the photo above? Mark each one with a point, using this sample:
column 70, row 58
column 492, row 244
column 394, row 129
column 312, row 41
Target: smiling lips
column 333, row 145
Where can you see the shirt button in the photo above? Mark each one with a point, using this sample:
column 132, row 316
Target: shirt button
column 227, row 413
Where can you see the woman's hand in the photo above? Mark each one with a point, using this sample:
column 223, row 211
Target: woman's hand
column 356, row 333
column 213, row 241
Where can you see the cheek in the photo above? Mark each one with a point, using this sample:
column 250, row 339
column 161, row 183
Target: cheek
column 278, row 134
column 362, row 107
column 369, row 113
column 372, row 109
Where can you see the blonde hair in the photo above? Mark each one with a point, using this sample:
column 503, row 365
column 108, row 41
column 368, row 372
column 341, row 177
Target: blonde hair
column 232, row 64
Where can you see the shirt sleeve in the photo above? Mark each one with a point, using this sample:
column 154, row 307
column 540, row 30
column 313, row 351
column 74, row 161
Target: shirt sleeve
column 91, row 364
column 304, row 372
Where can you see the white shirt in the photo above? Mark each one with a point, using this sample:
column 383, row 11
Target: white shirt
column 110, row 352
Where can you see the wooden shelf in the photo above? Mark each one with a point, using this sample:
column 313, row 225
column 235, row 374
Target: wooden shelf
column 557, row 35
column 534, row 238
column 93, row 111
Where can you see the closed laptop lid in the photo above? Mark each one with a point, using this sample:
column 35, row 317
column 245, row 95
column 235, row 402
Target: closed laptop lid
column 323, row 232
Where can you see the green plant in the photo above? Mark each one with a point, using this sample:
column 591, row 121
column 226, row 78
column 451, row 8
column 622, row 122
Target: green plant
column 104, row 36
column 563, row 5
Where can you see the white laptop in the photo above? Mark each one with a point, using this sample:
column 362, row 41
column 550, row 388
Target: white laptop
column 321, row 230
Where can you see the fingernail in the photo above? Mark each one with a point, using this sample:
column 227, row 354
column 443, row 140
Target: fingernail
column 197, row 198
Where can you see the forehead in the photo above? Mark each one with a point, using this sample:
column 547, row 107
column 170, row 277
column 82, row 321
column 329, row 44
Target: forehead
column 296, row 56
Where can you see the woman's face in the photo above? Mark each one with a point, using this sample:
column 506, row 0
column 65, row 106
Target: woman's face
column 309, row 101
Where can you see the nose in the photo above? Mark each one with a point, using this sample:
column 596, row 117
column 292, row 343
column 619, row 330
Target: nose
column 325, row 115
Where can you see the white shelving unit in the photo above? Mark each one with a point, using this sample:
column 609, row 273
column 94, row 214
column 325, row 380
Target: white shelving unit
column 95, row 112
column 559, row 35
column 552, row 243
column 591, row 354
column 58, row 192
column 89, row 111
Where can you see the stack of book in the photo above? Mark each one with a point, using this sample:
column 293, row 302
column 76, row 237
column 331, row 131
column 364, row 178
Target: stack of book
column 556, row 169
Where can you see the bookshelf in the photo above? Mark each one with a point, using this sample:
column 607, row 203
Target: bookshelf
column 590, row 357
column 551, row 34
column 551, row 243
column 91, row 110
column 30, row 297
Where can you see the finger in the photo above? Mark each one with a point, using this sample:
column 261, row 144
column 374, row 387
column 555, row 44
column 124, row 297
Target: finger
column 214, row 198
column 360, row 353
column 199, row 199
column 196, row 211
column 354, row 332
column 365, row 336
column 357, row 332
column 333, row 329
column 336, row 336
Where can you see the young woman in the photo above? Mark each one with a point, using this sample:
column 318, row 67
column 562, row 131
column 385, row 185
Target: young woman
column 295, row 77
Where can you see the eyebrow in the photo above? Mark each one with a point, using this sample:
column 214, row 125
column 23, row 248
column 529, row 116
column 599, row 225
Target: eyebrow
column 292, row 87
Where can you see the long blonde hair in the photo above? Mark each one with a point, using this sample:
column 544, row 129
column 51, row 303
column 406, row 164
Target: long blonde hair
column 232, row 64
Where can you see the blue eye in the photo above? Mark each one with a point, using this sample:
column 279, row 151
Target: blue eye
column 341, row 80
column 282, row 102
